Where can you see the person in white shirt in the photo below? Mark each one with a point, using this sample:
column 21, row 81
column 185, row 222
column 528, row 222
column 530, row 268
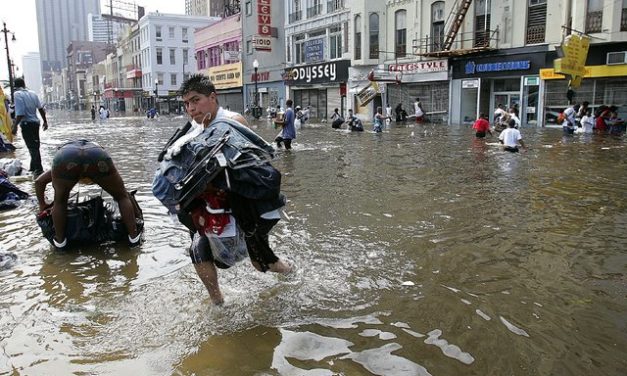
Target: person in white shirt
column 569, row 119
column 511, row 137
column 419, row 111
column 587, row 122
column 498, row 113
column 513, row 115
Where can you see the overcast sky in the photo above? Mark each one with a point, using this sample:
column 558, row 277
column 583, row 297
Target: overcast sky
column 21, row 18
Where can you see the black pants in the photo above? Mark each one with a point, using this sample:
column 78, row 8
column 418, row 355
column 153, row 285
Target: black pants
column 288, row 143
column 30, row 133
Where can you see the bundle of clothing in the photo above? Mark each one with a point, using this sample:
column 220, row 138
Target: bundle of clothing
column 10, row 195
column 220, row 184
column 91, row 221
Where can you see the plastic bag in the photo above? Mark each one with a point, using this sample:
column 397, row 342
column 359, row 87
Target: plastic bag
column 229, row 247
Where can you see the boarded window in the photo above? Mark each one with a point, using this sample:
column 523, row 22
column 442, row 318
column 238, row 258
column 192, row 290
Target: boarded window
column 536, row 21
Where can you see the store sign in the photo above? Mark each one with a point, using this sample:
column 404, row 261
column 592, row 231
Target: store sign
column 368, row 93
column 470, row 84
column 314, row 50
column 226, row 76
column 420, row 67
column 263, row 39
column 575, row 50
column 472, row 68
column 329, row 72
column 262, row 43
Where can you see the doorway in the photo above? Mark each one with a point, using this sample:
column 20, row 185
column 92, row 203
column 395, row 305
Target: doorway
column 507, row 99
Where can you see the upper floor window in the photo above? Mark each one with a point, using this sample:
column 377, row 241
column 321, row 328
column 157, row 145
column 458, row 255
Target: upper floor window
column 159, row 56
column 249, row 8
column 184, row 33
column 185, row 56
column 358, row 37
column 400, row 34
column 171, row 32
column 299, row 49
column 437, row 26
column 335, row 42
column 536, row 21
column 214, row 56
column 158, row 33
column 594, row 16
column 297, row 13
column 173, row 79
column 623, row 17
column 373, row 26
column 482, row 23
column 315, row 8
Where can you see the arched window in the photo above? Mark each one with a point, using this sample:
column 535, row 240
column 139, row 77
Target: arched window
column 374, row 35
column 437, row 25
column 400, row 36
column 357, row 37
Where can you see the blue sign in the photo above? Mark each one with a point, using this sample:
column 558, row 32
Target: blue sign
column 314, row 50
column 472, row 68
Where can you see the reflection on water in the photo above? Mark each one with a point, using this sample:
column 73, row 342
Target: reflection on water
column 419, row 251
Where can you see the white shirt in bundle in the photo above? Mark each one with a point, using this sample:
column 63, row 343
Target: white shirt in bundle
column 587, row 122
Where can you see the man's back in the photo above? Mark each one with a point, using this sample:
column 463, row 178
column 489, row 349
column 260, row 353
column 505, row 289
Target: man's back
column 510, row 137
column 26, row 105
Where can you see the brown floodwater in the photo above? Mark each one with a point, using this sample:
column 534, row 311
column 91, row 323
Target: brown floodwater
column 419, row 251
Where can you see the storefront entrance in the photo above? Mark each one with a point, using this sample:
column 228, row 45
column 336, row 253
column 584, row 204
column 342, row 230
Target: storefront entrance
column 508, row 100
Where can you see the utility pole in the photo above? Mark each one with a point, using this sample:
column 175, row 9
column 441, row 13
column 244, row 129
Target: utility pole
column 9, row 65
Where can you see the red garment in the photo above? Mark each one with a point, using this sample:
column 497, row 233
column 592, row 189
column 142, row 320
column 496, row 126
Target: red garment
column 481, row 125
column 600, row 125
column 210, row 222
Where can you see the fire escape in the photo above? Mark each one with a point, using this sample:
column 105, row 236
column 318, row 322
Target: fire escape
column 447, row 46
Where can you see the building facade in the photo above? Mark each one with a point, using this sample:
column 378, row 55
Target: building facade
column 80, row 57
column 167, row 51
column 263, row 37
column 317, row 55
column 58, row 23
column 31, row 66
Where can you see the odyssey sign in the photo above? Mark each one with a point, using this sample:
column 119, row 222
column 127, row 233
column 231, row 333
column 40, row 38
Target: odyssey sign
column 472, row 68
column 329, row 72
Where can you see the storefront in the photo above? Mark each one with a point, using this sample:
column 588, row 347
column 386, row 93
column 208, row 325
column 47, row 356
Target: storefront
column 510, row 78
column 319, row 86
column 270, row 89
column 427, row 80
column 604, row 83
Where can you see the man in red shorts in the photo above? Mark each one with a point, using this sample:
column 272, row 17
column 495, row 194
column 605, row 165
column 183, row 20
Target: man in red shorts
column 83, row 161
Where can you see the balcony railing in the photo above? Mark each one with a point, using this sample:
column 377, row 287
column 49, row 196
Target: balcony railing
column 314, row 11
column 594, row 22
column 296, row 16
column 334, row 5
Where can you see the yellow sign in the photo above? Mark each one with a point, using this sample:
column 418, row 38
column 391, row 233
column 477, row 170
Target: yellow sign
column 226, row 76
column 575, row 49
column 592, row 71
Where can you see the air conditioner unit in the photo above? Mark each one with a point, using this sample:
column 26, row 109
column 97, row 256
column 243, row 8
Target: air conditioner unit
column 616, row 58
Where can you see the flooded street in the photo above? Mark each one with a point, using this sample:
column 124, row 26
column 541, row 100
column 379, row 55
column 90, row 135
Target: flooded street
column 419, row 251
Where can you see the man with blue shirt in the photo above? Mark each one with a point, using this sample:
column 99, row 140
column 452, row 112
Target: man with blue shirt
column 289, row 130
column 26, row 106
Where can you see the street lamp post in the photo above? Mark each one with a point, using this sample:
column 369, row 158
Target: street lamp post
column 156, row 91
column 256, row 109
column 9, row 65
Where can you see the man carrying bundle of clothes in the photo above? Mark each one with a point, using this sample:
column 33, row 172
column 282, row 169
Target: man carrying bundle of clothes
column 216, row 176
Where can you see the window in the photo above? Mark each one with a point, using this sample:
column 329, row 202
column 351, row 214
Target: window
column 249, row 47
column 623, row 17
column 160, row 78
column 299, row 49
column 400, row 26
column 536, row 21
column 171, row 32
column 358, row 37
column 249, row 8
column 482, row 23
column 297, row 14
column 159, row 55
column 373, row 27
column 315, row 9
column 437, row 26
column 173, row 79
column 214, row 56
column 200, row 60
column 594, row 16
column 185, row 56
column 335, row 39
column 172, row 56
column 288, row 50
column 184, row 32
column 158, row 33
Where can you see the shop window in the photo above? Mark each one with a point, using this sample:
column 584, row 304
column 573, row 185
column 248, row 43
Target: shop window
column 594, row 16
column 482, row 23
column 536, row 21
column 358, row 37
column 437, row 26
column 400, row 35
column 373, row 27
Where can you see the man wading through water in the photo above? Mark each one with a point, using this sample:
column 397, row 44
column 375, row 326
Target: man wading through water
column 201, row 102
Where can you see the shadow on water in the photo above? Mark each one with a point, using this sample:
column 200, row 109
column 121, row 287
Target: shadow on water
column 419, row 251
